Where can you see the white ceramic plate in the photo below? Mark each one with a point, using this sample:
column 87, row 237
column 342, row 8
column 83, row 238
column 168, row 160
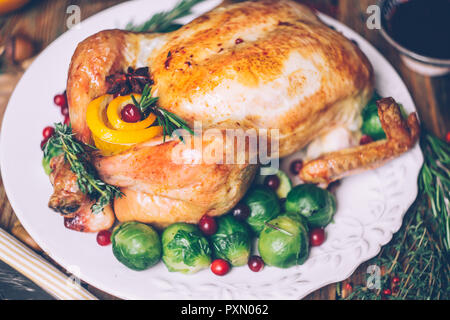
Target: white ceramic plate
column 370, row 206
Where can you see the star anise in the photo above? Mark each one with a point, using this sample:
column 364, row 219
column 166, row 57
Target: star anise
column 133, row 81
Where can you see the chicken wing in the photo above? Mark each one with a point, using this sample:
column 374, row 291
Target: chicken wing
column 74, row 205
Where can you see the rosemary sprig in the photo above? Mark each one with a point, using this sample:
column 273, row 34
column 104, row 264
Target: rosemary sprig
column 434, row 182
column 418, row 254
column 163, row 21
column 146, row 101
column 87, row 178
column 169, row 121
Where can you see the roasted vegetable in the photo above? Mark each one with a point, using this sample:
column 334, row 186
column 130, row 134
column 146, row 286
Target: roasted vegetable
column 185, row 249
column 231, row 241
column 136, row 245
column 317, row 205
column 264, row 206
column 283, row 243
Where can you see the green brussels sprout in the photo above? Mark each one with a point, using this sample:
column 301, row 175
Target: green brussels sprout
column 284, row 242
column 264, row 206
column 317, row 205
column 285, row 183
column 185, row 249
column 136, row 245
column 371, row 121
column 52, row 151
column 231, row 241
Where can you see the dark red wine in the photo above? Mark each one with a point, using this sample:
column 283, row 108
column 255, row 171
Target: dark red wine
column 422, row 26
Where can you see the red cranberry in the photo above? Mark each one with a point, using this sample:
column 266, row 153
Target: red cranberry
column 130, row 113
column 241, row 212
column 447, row 137
column 316, row 237
column 65, row 111
column 348, row 287
column 220, row 267
column 296, row 166
column 255, row 263
column 207, row 225
column 387, row 292
column 104, row 237
column 60, row 100
column 395, row 280
column 48, row 132
column 365, row 140
column 273, row 182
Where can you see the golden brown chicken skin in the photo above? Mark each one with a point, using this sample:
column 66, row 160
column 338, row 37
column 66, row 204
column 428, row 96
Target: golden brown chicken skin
column 168, row 182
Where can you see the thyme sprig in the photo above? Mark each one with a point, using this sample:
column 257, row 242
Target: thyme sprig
column 169, row 121
column 418, row 254
column 163, row 21
column 75, row 153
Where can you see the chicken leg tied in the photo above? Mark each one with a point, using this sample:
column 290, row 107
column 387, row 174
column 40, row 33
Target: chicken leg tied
column 401, row 136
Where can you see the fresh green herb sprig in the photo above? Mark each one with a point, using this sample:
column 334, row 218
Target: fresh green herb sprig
column 146, row 102
column 434, row 182
column 169, row 121
column 418, row 254
column 163, row 21
column 87, row 178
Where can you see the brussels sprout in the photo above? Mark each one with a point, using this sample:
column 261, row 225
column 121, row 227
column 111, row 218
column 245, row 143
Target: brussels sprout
column 136, row 245
column 264, row 206
column 371, row 121
column 231, row 241
column 52, row 151
column 285, row 183
column 284, row 243
column 317, row 205
column 185, row 249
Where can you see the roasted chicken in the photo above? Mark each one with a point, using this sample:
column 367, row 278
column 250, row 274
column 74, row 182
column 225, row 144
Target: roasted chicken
column 251, row 65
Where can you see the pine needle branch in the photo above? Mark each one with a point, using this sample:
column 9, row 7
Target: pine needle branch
column 164, row 21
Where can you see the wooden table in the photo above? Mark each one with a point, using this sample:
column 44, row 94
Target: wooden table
column 45, row 20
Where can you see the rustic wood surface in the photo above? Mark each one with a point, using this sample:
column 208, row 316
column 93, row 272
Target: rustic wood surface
column 44, row 20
